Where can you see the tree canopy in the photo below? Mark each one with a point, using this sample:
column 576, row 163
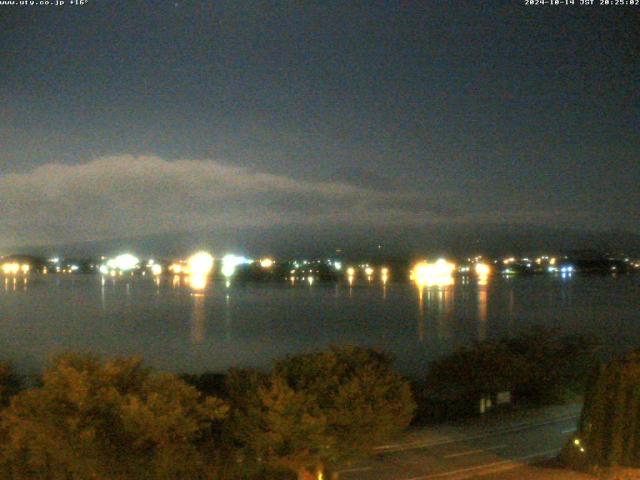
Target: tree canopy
column 609, row 431
column 107, row 419
column 536, row 366
column 90, row 418
column 320, row 408
column 10, row 383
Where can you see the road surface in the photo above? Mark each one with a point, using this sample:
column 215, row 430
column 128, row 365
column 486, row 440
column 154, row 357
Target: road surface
column 476, row 448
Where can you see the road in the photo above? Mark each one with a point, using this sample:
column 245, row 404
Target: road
column 473, row 449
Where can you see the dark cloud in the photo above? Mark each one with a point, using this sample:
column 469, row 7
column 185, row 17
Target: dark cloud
column 130, row 196
column 398, row 113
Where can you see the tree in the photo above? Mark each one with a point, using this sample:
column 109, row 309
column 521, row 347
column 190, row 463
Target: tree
column 318, row 409
column 538, row 366
column 10, row 383
column 485, row 368
column 609, row 430
column 551, row 363
column 115, row 419
column 280, row 428
column 364, row 400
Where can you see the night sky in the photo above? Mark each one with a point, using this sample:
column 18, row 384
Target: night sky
column 133, row 118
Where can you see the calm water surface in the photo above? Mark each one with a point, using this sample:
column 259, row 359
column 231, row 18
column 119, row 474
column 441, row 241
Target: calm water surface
column 177, row 328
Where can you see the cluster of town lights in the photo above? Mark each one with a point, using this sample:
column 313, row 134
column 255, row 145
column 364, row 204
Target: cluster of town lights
column 438, row 273
column 122, row 263
column 201, row 263
column 13, row 268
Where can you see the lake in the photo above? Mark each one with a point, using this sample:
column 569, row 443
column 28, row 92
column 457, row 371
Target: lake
column 178, row 328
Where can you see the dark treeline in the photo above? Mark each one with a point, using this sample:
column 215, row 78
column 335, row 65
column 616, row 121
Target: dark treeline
column 608, row 435
column 115, row 419
column 538, row 367
column 88, row 417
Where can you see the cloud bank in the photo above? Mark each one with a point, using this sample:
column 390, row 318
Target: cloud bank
column 126, row 196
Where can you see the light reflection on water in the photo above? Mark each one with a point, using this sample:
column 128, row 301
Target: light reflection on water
column 198, row 317
column 198, row 284
column 16, row 283
column 196, row 324
column 482, row 309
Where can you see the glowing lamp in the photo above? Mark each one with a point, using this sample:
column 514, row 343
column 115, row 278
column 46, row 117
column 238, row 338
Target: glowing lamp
column 197, row 281
column 266, row 263
column 124, row 262
column 482, row 269
column 200, row 263
column 229, row 264
column 437, row 273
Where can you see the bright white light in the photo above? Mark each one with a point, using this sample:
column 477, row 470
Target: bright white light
column 337, row 265
column 351, row 271
column 482, row 269
column 230, row 262
column 368, row 271
column 228, row 269
column 156, row 269
column 175, row 268
column 197, row 281
column 420, row 273
column 384, row 271
column 266, row 263
column 200, row 263
column 124, row 262
column 438, row 273
column 104, row 269
column 9, row 268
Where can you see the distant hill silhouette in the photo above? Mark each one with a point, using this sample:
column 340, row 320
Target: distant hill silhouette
column 356, row 242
